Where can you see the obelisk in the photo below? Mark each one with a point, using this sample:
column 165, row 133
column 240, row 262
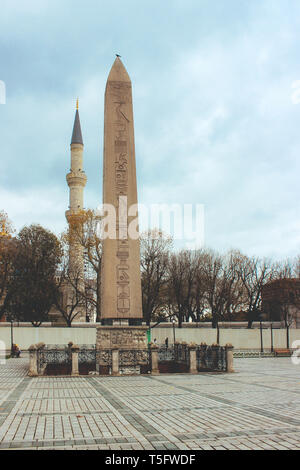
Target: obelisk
column 121, row 296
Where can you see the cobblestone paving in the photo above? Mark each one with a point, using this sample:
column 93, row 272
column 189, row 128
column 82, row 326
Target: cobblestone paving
column 257, row 407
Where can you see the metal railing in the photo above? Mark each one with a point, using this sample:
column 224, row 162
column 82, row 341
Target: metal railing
column 49, row 356
column 211, row 358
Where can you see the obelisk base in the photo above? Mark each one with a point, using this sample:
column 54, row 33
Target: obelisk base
column 131, row 345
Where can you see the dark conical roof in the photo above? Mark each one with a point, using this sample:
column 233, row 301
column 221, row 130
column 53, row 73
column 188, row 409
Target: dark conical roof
column 77, row 135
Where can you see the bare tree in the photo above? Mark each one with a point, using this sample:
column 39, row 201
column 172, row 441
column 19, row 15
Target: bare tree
column 84, row 230
column 254, row 273
column 69, row 295
column 183, row 272
column 232, row 289
column 213, row 270
column 297, row 267
column 199, row 288
column 155, row 248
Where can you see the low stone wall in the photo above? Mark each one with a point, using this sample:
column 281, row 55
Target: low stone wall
column 241, row 338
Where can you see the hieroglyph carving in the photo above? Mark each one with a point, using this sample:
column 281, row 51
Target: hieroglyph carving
column 121, row 93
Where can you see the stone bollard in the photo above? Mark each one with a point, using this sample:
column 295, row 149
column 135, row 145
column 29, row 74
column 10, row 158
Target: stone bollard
column 154, row 359
column 229, row 357
column 41, row 366
column 115, row 362
column 33, row 367
column 75, row 365
column 193, row 358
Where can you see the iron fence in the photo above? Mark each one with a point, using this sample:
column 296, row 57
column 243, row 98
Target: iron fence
column 49, row 356
column 182, row 355
column 166, row 353
column 211, row 358
column 87, row 355
column 173, row 359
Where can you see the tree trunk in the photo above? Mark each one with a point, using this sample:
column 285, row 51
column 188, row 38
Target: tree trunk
column 214, row 322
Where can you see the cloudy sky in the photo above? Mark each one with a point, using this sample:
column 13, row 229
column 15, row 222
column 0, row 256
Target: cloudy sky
column 217, row 120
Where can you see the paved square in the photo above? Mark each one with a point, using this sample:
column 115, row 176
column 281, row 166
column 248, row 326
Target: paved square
column 257, row 407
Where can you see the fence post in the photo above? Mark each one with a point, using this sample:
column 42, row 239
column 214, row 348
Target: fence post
column 40, row 367
column 193, row 358
column 154, row 359
column 229, row 357
column 115, row 362
column 75, row 365
column 33, row 367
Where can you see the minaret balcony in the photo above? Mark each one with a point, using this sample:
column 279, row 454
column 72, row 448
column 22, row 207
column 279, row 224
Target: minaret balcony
column 76, row 178
column 71, row 214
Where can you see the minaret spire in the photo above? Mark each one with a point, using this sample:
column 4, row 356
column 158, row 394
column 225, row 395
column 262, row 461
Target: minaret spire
column 77, row 134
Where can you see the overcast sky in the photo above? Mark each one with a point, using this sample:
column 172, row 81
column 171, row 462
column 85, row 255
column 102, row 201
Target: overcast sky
column 215, row 118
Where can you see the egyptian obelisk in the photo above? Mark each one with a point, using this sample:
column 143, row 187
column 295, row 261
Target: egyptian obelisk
column 121, row 297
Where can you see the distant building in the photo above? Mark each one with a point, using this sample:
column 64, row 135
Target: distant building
column 281, row 301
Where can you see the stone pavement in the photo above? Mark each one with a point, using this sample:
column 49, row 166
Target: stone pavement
column 258, row 407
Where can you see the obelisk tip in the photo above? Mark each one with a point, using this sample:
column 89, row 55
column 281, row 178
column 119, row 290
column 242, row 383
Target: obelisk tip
column 118, row 72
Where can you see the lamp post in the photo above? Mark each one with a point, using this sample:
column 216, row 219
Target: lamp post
column 11, row 337
column 261, row 337
column 272, row 342
column 174, row 321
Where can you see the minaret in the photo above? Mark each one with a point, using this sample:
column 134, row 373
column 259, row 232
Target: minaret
column 121, row 297
column 76, row 180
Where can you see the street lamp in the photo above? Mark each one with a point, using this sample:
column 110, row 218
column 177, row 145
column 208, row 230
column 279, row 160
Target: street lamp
column 261, row 337
column 11, row 336
column 272, row 342
column 174, row 322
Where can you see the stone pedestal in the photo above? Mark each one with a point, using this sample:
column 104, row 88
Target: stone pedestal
column 229, row 352
column 121, row 337
column 115, row 369
column 154, row 359
column 75, row 364
column 33, row 370
column 193, row 359
column 123, row 348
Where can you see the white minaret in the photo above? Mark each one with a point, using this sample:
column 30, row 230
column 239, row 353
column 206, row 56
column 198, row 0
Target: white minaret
column 76, row 180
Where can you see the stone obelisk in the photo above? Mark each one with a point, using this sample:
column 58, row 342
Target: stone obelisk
column 121, row 294
column 121, row 280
